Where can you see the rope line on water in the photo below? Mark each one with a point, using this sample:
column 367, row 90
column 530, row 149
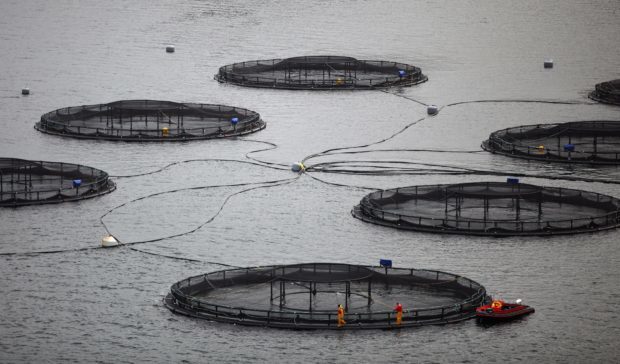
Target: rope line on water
column 409, row 150
column 403, row 96
column 270, row 146
column 341, row 185
column 194, row 161
column 325, row 152
column 252, row 161
column 180, row 258
column 456, row 171
column 329, row 151
column 264, row 184
column 49, row 251
column 378, row 168
column 327, row 167
column 521, row 101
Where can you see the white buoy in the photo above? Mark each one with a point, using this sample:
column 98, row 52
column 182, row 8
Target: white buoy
column 170, row 48
column 432, row 109
column 109, row 241
column 548, row 63
column 25, row 91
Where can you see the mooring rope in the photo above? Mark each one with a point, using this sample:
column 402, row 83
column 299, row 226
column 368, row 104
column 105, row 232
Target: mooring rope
column 266, row 184
column 255, row 185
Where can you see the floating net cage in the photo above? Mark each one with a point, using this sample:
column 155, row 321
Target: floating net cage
column 607, row 92
column 593, row 142
column 150, row 120
column 490, row 208
column 306, row 296
column 24, row 182
column 320, row 73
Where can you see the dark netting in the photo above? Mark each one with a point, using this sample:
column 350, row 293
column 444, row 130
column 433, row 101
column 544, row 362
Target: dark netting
column 24, row 182
column 150, row 120
column 320, row 73
column 306, row 296
column 490, row 208
column 607, row 92
column 596, row 142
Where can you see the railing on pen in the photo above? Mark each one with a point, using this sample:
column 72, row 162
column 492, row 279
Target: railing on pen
column 184, row 294
column 113, row 121
column 25, row 182
column 372, row 207
column 248, row 73
column 598, row 144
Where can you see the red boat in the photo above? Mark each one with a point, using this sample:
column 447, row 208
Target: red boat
column 502, row 311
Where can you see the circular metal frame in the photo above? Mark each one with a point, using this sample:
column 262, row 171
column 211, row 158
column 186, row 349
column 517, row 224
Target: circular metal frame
column 591, row 142
column 490, row 209
column 607, row 92
column 194, row 296
column 24, row 182
column 320, row 73
column 150, row 120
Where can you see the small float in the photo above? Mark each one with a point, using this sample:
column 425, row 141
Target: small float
column 502, row 311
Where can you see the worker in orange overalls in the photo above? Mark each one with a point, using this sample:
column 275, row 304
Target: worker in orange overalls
column 497, row 305
column 399, row 313
column 341, row 320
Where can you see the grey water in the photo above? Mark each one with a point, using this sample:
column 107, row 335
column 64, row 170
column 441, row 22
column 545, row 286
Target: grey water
column 104, row 305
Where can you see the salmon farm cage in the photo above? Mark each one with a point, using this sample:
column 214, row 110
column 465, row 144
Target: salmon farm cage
column 607, row 92
column 308, row 296
column 150, row 120
column 590, row 142
column 490, row 209
column 320, row 73
column 24, row 182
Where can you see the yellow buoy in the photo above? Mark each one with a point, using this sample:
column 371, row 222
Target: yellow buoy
column 298, row 167
column 165, row 132
column 339, row 81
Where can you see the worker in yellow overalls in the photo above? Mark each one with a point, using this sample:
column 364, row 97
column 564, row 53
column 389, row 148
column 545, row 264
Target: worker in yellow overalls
column 399, row 313
column 341, row 320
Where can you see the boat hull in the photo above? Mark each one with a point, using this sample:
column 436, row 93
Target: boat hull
column 486, row 313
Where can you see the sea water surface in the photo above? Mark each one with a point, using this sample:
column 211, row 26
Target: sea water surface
column 105, row 305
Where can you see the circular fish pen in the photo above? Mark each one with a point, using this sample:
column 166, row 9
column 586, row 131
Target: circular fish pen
column 24, row 182
column 607, row 92
column 150, row 120
column 491, row 209
column 307, row 296
column 593, row 142
column 320, row 73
